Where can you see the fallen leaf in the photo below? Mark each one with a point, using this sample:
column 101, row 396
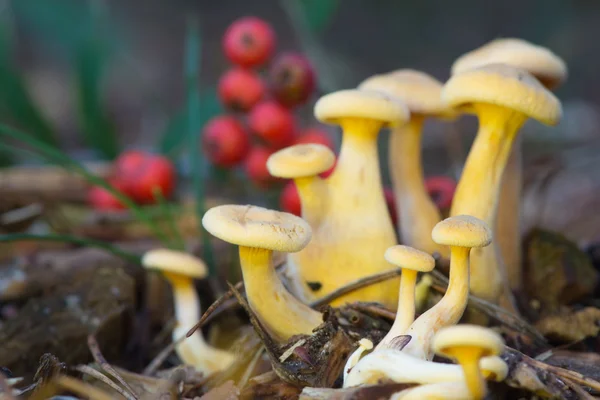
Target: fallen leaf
column 571, row 327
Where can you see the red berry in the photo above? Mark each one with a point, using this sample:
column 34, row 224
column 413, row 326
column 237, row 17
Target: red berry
column 315, row 135
column 240, row 89
column 292, row 79
column 129, row 161
column 441, row 189
column 391, row 204
column 289, row 200
column 146, row 174
column 249, row 42
column 256, row 165
column 273, row 123
column 101, row 199
column 225, row 142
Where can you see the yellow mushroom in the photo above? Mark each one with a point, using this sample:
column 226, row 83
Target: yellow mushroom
column 180, row 269
column 400, row 367
column 412, row 261
column 551, row 71
column 461, row 233
column 357, row 229
column 503, row 98
column 468, row 344
column 418, row 213
column 258, row 232
column 303, row 163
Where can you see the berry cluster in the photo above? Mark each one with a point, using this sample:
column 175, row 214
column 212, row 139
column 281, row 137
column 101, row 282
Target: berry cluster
column 141, row 176
column 260, row 92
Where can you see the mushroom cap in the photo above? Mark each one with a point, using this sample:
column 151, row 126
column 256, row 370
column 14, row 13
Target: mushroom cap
column 175, row 262
column 467, row 336
column 539, row 61
column 494, row 368
column 356, row 103
column 258, row 227
column 301, row 161
column 409, row 258
column 419, row 91
column 505, row 86
column 462, row 231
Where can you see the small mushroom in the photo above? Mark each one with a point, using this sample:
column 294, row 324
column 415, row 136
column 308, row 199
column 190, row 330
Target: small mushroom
column 258, row 232
column 180, row 269
column 461, row 233
column 503, row 97
column 412, row 261
column 303, row 163
column 418, row 212
column 400, row 367
column 551, row 71
column 357, row 228
column 435, row 391
column 468, row 344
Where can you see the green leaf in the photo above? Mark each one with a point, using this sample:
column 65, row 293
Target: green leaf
column 98, row 129
column 175, row 136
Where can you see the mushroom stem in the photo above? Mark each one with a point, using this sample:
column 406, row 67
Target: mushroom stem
column 418, row 213
column 193, row 350
column 508, row 220
column 313, row 196
column 435, row 391
column 400, row 367
column 358, row 224
column 447, row 311
column 473, row 376
column 282, row 314
column 478, row 189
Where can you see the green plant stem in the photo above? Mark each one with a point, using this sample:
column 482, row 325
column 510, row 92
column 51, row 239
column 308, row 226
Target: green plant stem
column 192, row 70
column 15, row 237
column 167, row 213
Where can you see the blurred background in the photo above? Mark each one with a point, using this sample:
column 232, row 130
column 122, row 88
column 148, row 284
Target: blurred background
column 96, row 77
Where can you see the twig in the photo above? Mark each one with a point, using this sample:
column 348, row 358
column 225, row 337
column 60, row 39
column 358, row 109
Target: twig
column 162, row 356
column 83, row 389
column 571, row 375
column 209, row 311
column 355, row 285
column 5, row 388
column 86, row 369
column 579, row 390
column 99, row 358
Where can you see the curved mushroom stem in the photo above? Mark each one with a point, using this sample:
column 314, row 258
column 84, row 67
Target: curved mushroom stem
column 281, row 313
column 435, row 391
column 193, row 350
column 357, row 230
column 400, row 367
column 406, row 307
column 418, row 213
column 508, row 221
column 478, row 189
column 447, row 311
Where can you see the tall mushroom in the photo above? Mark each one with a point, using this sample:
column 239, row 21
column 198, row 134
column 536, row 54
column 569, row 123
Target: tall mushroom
column 502, row 97
column 551, row 71
column 349, row 242
column 461, row 233
column 303, row 163
column 418, row 212
column 412, row 261
column 258, row 232
column 180, row 269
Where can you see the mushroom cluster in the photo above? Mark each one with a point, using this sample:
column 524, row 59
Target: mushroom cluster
column 345, row 232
